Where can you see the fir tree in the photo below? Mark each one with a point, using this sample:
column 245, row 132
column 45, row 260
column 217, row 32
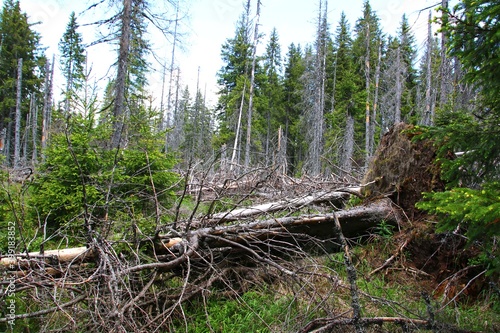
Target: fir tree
column 73, row 60
column 233, row 80
column 293, row 116
column 366, row 45
column 471, row 201
column 273, row 92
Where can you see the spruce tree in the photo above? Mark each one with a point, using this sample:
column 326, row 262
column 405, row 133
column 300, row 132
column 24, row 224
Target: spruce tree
column 72, row 58
column 408, row 54
column 366, row 45
column 345, row 97
column 471, row 202
column 129, row 27
column 272, row 93
column 293, row 116
column 233, row 80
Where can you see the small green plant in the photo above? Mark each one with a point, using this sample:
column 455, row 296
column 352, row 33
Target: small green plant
column 384, row 229
column 353, row 201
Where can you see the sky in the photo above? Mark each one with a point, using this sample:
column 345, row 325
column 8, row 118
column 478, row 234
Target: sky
column 207, row 24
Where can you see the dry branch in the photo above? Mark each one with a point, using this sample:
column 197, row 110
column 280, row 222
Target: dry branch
column 391, row 259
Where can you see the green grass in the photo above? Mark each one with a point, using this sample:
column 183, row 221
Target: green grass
column 254, row 311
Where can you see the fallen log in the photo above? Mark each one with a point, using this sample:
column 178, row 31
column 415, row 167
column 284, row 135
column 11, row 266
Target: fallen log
column 337, row 198
column 354, row 221
column 22, row 260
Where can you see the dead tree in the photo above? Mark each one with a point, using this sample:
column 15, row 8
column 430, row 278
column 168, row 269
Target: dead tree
column 119, row 112
column 252, row 83
column 17, row 129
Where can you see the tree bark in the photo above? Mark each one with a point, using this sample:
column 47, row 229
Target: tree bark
column 348, row 144
column 399, row 87
column 368, row 137
column 34, row 129
column 46, row 112
column 445, row 69
column 121, row 76
column 428, row 117
column 252, row 83
column 17, row 128
column 336, row 197
column 375, row 99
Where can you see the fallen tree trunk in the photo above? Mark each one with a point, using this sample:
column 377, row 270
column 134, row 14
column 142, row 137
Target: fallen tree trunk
column 354, row 221
column 337, row 198
column 22, row 260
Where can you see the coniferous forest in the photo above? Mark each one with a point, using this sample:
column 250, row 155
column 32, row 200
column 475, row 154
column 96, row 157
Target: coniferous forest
column 351, row 184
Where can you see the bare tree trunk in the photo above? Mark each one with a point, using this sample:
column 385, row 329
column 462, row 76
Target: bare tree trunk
column 172, row 61
column 34, row 129
column 268, row 136
column 337, row 198
column 316, row 117
column 17, row 128
column 375, row 100
column 119, row 113
column 399, row 87
column 26, row 137
column 252, row 81
column 334, row 82
column 428, row 117
column 368, row 138
column 445, row 63
column 348, row 144
column 281, row 154
column 238, row 128
column 47, row 105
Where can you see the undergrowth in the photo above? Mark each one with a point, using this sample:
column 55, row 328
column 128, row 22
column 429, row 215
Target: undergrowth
column 393, row 292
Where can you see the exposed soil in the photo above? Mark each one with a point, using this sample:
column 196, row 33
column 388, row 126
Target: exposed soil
column 403, row 168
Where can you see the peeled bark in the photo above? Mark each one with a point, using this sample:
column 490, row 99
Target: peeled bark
column 337, row 198
column 22, row 260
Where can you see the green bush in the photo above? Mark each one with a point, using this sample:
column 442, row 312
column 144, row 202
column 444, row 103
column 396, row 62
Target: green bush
column 83, row 181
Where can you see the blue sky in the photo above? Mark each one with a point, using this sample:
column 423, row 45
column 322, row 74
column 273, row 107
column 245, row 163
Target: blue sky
column 210, row 22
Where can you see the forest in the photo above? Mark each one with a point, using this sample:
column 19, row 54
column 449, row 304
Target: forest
column 351, row 184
